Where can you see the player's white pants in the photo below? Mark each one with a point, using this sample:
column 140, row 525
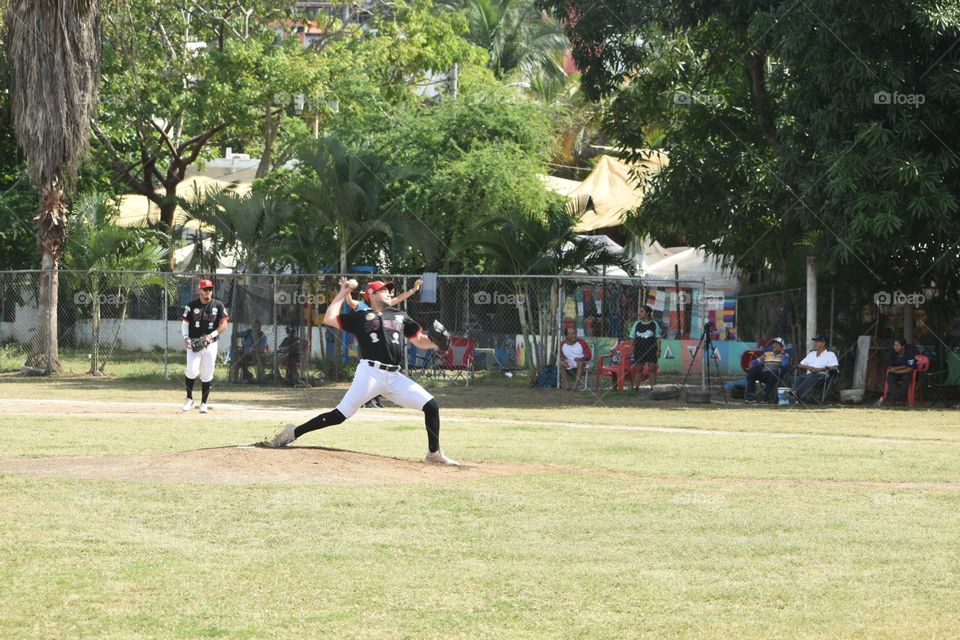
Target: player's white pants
column 201, row 362
column 370, row 382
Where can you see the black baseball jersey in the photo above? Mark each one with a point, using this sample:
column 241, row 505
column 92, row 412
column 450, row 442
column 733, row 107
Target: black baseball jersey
column 380, row 335
column 204, row 318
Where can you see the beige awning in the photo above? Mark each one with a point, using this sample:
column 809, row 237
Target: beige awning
column 560, row 186
column 614, row 188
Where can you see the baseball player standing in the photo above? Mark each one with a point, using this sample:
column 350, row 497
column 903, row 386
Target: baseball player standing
column 380, row 332
column 203, row 321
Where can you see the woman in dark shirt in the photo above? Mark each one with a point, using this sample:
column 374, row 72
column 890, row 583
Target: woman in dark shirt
column 900, row 368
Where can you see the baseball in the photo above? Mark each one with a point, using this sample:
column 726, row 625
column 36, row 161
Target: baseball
column 352, row 282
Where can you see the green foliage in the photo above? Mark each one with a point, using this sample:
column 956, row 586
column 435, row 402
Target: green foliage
column 248, row 226
column 521, row 42
column 541, row 244
column 489, row 181
column 96, row 243
column 340, row 191
column 18, row 201
column 778, row 144
column 478, row 155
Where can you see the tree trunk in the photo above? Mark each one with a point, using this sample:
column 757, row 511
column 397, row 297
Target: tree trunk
column 116, row 336
column 51, row 221
column 168, row 208
column 533, row 361
column 269, row 136
column 95, row 367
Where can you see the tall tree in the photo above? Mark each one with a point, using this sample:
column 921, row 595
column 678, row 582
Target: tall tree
column 784, row 130
column 111, row 256
column 54, row 53
column 341, row 191
column 247, row 225
column 521, row 41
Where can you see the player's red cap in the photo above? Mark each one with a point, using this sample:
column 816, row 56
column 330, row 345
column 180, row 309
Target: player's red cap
column 376, row 285
column 206, row 284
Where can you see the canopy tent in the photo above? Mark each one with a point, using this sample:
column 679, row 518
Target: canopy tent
column 560, row 186
column 138, row 211
column 614, row 188
column 693, row 264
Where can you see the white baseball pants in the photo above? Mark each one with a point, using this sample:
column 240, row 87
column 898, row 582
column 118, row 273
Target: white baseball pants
column 370, row 382
column 201, row 363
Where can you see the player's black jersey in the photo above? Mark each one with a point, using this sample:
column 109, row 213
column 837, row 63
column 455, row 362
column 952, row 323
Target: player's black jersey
column 204, row 318
column 380, row 335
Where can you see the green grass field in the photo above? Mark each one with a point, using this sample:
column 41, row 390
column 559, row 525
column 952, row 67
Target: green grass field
column 653, row 522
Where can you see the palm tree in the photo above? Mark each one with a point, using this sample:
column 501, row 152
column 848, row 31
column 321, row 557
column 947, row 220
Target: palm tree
column 341, row 191
column 248, row 225
column 522, row 41
column 109, row 253
column 53, row 48
column 542, row 245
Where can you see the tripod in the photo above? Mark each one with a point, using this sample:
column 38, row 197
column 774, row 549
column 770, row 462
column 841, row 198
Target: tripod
column 706, row 343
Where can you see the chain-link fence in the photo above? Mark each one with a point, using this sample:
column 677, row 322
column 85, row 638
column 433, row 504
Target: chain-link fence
column 128, row 324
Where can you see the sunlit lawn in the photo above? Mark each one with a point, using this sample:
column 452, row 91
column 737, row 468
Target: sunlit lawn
column 771, row 528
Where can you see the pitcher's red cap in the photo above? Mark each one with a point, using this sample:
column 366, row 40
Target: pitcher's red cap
column 376, row 285
column 206, row 284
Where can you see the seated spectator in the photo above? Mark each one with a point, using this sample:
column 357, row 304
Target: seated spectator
column 818, row 364
column 289, row 354
column 767, row 369
column 900, row 366
column 574, row 356
column 646, row 347
column 253, row 349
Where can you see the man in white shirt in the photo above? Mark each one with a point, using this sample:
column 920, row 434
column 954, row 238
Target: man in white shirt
column 574, row 356
column 819, row 365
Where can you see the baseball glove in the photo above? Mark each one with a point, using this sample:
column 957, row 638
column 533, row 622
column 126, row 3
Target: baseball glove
column 439, row 336
column 199, row 344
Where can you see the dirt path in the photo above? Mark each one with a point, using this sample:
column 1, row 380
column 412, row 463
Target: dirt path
column 254, row 465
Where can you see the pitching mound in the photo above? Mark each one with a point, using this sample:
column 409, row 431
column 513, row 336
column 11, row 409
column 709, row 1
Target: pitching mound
column 254, row 465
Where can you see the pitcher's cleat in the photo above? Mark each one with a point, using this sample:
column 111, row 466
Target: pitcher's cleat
column 203, row 407
column 188, row 404
column 438, row 457
column 285, row 437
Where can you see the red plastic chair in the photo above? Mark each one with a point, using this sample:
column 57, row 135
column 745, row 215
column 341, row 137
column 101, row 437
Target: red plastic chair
column 459, row 358
column 914, row 391
column 617, row 365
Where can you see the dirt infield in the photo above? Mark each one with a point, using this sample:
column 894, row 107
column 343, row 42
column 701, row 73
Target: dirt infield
column 254, row 465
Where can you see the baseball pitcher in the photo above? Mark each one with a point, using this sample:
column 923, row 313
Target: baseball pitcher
column 380, row 333
column 203, row 321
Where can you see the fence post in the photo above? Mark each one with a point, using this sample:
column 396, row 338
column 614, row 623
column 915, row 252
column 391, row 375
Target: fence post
column 273, row 295
column 406, row 364
column 703, row 318
column 166, row 323
column 50, row 336
column 558, row 327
